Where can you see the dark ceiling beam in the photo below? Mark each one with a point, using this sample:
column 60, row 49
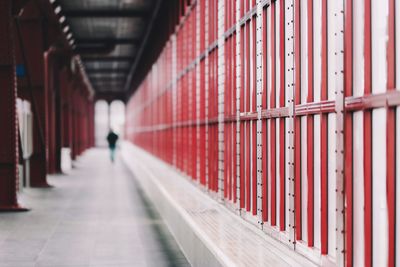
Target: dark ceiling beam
column 108, row 79
column 110, row 96
column 149, row 28
column 107, row 83
column 108, row 59
column 102, row 48
column 105, row 13
column 108, row 75
column 107, row 70
column 113, row 41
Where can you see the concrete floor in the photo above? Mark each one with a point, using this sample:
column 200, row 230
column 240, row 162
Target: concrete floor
column 94, row 216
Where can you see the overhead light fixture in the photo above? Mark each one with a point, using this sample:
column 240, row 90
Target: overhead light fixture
column 66, row 29
column 57, row 10
column 71, row 42
column 52, row 1
column 62, row 19
column 69, row 36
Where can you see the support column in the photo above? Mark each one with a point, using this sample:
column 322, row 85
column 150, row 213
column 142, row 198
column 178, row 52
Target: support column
column 8, row 113
column 74, row 116
column 31, row 86
column 51, row 108
column 66, row 109
column 91, row 123
column 58, row 118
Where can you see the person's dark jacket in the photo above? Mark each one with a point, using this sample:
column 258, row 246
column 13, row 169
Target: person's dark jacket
column 112, row 139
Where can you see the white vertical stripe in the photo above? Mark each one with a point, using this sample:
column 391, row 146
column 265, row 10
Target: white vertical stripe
column 269, row 106
column 317, row 34
column 358, row 50
column 358, row 161
column 269, row 57
column 379, row 42
column 304, row 182
column 277, row 95
column 331, row 186
column 269, row 170
column 317, row 21
column 238, row 89
column 260, row 71
column 287, row 181
column 379, row 206
column 331, row 39
column 379, row 70
column 277, row 54
column 331, row 50
column 304, row 51
column 317, row 181
column 277, row 155
column 303, row 97
column 358, row 197
column 289, row 122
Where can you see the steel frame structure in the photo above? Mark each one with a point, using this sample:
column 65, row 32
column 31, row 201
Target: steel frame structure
column 55, row 84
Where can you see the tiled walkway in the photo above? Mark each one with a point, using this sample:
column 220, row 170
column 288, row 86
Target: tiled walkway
column 94, row 216
column 232, row 241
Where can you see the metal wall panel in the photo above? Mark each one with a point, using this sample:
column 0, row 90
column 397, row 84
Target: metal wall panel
column 286, row 111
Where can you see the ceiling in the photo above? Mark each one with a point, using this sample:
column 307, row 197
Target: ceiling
column 108, row 35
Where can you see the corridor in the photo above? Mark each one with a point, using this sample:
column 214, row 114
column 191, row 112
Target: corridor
column 96, row 215
column 251, row 133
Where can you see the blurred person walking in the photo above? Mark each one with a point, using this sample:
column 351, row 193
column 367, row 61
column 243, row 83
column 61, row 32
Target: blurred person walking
column 112, row 139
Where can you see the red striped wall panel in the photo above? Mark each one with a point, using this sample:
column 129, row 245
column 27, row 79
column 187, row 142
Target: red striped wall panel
column 287, row 112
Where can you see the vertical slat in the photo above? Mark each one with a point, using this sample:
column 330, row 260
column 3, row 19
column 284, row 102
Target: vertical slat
column 264, row 122
column 290, row 72
column 226, row 103
column 207, row 89
column 248, row 101
column 233, row 113
column 297, row 129
column 238, row 89
column 310, row 126
column 272, row 99
column 242, row 124
column 391, row 134
column 282, row 128
column 259, row 87
column 339, row 78
column 324, row 130
column 367, row 137
column 254, row 124
column 349, row 132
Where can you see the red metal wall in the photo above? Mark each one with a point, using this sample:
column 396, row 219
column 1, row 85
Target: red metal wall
column 287, row 111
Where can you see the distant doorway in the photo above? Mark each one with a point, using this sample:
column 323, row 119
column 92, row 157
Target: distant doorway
column 117, row 117
column 101, row 122
column 109, row 116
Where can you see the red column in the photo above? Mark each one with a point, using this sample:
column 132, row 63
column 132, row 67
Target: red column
column 58, row 130
column 74, row 122
column 51, row 109
column 8, row 116
column 29, row 51
column 91, row 123
column 65, row 86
